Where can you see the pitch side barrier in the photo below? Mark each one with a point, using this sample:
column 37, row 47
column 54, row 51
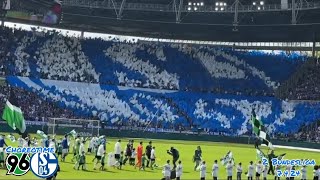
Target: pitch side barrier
column 183, row 136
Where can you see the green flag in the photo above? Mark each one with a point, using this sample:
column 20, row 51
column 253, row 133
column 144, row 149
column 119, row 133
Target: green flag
column 281, row 156
column 259, row 129
column 73, row 133
column 13, row 114
column 260, row 154
column 11, row 137
column 228, row 157
column 41, row 134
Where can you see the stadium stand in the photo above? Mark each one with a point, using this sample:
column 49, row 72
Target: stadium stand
column 34, row 107
column 218, row 113
column 152, row 84
column 310, row 132
column 143, row 64
column 304, row 84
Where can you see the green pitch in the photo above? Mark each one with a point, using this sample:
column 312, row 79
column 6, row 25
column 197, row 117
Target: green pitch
column 211, row 151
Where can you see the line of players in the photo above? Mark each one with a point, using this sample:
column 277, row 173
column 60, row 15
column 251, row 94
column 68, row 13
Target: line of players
column 175, row 171
column 119, row 158
column 116, row 159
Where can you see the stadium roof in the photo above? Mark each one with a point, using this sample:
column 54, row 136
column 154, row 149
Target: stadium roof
column 159, row 19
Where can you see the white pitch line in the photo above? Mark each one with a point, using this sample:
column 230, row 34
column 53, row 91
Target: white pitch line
column 295, row 148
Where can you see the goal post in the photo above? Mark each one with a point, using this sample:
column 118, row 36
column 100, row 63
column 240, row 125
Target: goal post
column 83, row 127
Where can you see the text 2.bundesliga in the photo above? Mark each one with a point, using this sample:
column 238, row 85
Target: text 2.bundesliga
column 290, row 171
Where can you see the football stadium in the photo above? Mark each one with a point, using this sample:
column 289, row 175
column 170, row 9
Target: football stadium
column 160, row 89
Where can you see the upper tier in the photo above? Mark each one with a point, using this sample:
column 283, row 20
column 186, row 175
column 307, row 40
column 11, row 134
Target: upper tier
column 143, row 64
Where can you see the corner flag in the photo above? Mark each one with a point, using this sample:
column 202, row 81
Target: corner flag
column 13, row 114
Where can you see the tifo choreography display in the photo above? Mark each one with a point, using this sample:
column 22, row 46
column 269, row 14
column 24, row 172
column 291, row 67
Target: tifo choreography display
column 172, row 85
column 111, row 107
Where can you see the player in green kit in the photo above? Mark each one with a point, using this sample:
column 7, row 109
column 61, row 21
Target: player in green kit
column 144, row 158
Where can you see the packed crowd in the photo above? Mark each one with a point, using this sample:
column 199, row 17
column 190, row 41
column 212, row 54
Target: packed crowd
column 142, row 69
column 304, row 84
column 310, row 133
column 50, row 55
column 216, row 113
column 58, row 58
column 34, row 107
column 62, row 58
column 153, row 112
column 125, row 54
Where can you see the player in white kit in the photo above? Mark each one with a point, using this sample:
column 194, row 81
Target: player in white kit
column 277, row 168
column 20, row 141
column 265, row 172
column 215, row 170
column 153, row 157
column 167, row 170
column 229, row 168
column 303, row 173
column 239, row 171
column 288, row 169
column 203, row 170
column 179, row 171
column 250, row 170
column 259, row 169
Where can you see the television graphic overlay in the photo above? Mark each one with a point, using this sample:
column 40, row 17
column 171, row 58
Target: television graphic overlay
column 290, row 164
column 17, row 164
column 44, row 165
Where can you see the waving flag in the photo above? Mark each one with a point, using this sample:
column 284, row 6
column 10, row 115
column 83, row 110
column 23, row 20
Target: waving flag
column 260, row 154
column 281, row 156
column 11, row 138
column 41, row 134
column 102, row 139
column 259, row 129
column 73, row 133
column 228, row 157
column 13, row 114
